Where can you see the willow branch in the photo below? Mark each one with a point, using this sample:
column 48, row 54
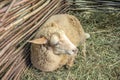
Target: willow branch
column 8, row 10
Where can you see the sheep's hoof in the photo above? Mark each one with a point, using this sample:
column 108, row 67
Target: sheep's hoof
column 69, row 65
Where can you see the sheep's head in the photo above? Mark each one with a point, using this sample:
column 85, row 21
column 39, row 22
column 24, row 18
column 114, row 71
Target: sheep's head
column 59, row 43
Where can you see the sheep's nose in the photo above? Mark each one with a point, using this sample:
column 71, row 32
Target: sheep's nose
column 75, row 50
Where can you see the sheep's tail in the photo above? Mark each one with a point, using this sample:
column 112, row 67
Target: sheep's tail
column 87, row 35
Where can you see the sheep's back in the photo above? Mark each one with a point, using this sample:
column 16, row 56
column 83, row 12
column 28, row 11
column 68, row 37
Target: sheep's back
column 71, row 26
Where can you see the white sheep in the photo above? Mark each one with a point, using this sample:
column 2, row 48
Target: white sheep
column 56, row 42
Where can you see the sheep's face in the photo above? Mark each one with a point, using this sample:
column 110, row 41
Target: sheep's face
column 61, row 44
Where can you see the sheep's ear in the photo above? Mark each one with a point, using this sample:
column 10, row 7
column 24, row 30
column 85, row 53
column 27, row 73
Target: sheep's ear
column 42, row 40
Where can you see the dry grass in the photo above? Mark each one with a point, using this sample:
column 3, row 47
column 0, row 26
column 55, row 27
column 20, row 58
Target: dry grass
column 103, row 51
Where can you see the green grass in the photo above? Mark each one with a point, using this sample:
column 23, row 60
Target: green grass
column 103, row 51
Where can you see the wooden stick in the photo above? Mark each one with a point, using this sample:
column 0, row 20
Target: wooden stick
column 3, row 3
column 8, row 10
column 16, row 4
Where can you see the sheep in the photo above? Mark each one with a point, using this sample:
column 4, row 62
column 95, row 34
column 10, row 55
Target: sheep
column 55, row 43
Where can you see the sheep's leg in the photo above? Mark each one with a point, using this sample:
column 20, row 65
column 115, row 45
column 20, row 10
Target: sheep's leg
column 70, row 61
column 84, row 50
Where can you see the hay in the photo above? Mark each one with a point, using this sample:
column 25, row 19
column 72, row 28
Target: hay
column 94, row 5
column 19, row 21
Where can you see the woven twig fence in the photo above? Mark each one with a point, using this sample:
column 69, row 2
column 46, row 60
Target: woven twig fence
column 19, row 21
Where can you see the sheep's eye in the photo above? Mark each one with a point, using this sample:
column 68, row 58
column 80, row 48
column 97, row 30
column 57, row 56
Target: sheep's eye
column 56, row 43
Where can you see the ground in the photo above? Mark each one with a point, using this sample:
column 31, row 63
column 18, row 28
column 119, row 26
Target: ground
column 103, row 51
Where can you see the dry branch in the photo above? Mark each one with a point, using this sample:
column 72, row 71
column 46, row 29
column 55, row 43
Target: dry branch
column 8, row 10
